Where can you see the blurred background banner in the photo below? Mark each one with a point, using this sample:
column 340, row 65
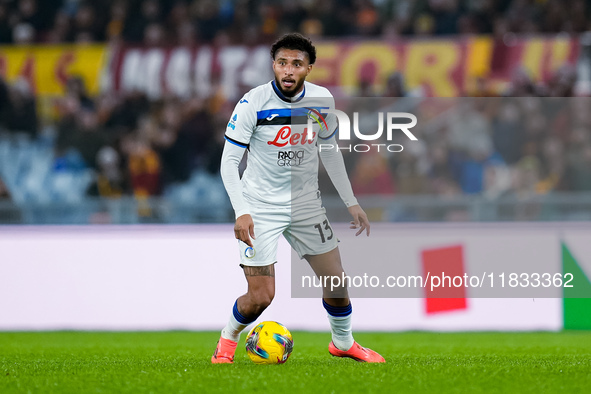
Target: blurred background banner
column 47, row 69
column 185, row 72
column 440, row 68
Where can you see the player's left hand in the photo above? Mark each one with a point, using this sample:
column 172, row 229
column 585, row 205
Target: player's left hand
column 360, row 220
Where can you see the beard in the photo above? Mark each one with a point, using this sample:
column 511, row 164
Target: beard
column 292, row 90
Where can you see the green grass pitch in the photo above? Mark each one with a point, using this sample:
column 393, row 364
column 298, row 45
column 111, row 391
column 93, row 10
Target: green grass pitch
column 179, row 362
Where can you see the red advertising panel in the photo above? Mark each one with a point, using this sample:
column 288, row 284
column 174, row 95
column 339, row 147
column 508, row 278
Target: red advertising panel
column 446, row 264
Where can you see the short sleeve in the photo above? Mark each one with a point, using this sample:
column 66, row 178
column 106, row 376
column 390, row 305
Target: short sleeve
column 242, row 123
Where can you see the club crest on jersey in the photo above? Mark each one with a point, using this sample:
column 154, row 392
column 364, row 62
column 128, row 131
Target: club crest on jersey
column 316, row 116
column 285, row 137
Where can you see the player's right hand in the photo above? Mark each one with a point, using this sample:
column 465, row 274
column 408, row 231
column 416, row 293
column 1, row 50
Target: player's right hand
column 360, row 220
column 244, row 229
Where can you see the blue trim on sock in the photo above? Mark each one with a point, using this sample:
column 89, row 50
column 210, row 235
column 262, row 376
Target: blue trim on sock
column 338, row 311
column 241, row 319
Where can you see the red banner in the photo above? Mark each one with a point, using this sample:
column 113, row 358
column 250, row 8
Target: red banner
column 47, row 67
column 440, row 68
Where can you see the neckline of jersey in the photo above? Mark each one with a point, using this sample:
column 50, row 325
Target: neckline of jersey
column 285, row 98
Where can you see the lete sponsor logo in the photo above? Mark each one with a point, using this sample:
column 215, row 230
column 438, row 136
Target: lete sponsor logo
column 285, row 137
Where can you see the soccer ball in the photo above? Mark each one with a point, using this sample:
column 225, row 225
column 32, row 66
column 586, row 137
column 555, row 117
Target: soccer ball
column 269, row 343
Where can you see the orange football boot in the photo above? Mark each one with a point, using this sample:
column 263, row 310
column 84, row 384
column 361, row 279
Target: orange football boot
column 224, row 352
column 357, row 353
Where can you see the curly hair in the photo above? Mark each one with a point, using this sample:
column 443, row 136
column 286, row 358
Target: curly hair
column 295, row 41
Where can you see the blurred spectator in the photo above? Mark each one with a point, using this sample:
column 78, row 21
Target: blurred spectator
column 4, row 103
column 553, row 165
column 61, row 29
column 109, row 181
column 293, row 15
column 23, row 34
column 20, row 113
column 4, row 193
column 440, row 163
column 197, row 133
column 482, row 88
column 469, row 130
column 90, row 137
column 116, row 22
column 68, row 108
column 76, row 89
column 526, row 176
column 154, row 35
column 138, row 20
column 79, row 130
column 5, row 32
column 367, row 20
column 332, row 18
column 409, row 178
column 174, row 148
column 143, row 166
column 209, row 23
column 516, row 144
column 29, row 15
column 562, row 83
column 124, row 112
column 521, row 85
column 241, row 20
column 578, row 162
column 9, row 211
column 85, row 25
column 446, row 15
column 497, row 180
column 372, row 175
column 472, row 169
column 506, row 135
column 577, row 20
column 395, row 86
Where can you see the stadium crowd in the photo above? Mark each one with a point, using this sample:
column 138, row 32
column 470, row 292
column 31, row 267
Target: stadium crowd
column 187, row 22
column 529, row 142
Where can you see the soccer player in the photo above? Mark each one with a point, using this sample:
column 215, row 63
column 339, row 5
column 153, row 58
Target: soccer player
column 278, row 193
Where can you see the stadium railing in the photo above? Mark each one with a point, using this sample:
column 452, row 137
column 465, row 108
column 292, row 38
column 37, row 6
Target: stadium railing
column 213, row 209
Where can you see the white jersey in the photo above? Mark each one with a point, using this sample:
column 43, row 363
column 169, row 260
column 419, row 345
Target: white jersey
column 282, row 166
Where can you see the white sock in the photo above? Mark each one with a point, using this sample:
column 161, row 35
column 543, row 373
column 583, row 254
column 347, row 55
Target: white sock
column 233, row 329
column 342, row 334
